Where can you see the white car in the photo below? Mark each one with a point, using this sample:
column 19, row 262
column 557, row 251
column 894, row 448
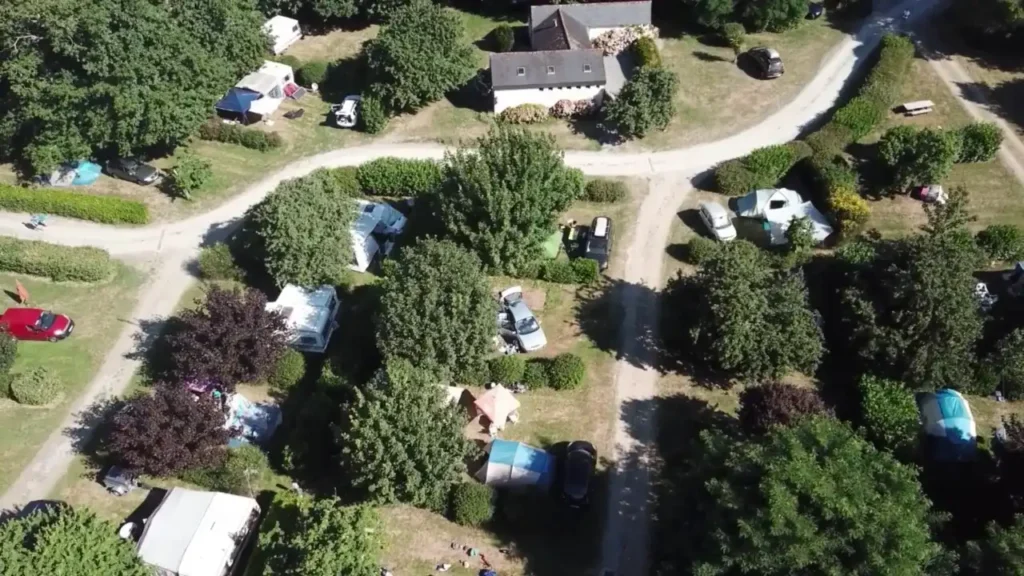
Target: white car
column 346, row 114
column 716, row 218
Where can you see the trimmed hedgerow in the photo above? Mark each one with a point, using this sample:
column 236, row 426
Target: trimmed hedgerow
column 390, row 176
column 506, row 369
column 605, row 190
column 577, row 271
column 289, row 370
column 59, row 263
column 373, row 118
column 524, row 114
column 566, row 372
column 536, row 374
column 216, row 131
column 646, row 52
column 103, row 209
column 37, row 387
column 762, row 168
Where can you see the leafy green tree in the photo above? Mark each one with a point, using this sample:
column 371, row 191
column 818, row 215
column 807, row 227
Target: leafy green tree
column 646, row 103
column 329, row 9
column 190, row 174
column 1002, row 242
column 774, row 15
column 746, row 317
column 735, row 35
column 889, row 414
column 980, row 142
column 436, row 308
column 127, row 91
column 301, row 230
column 952, row 217
column 420, row 54
column 1001, row 551
column 712, row 14
column 815, row 498
column 920, row 157
column 317, row 537
column 64, row 540
column 401, row 441
column 1008, row 361
column 799, row 241
column 503, row 198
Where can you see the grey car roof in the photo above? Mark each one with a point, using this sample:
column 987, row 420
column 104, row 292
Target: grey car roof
column 715, row 209
column 598, row 15
column 569, row 69
column 519, row 310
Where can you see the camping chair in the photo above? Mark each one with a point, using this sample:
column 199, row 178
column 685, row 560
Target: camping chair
column 38, row 221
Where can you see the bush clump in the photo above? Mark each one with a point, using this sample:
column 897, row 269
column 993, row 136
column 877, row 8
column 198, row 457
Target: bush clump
column 103, row 209
column 8, row 353
column 472, row 503
column 506, row 369
column 566, row 372
column 577, row 271
column 700, row 249
column 58, row 263
column 312, row 72
column 762, row 168
column 289, row 370
column 217, row 263
column 288, row 60
column 216, row 131
column 37, row 387
column 849, row 208
column 1002, row 242
column 605, row 190
column 504, row 38
column 980, row 142
column 399, row 177
column 535, row 376
column 373, row 119
column 646, row 52
column 524, row 114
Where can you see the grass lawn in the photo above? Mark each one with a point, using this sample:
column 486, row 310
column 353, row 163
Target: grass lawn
column 98, row 312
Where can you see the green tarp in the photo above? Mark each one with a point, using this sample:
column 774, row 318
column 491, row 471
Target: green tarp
column 552, row 244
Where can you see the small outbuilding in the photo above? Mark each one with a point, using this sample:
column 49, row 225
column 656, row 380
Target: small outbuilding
column 949, row 426
column 516, row 464
column 283, row 32
column 310, row 315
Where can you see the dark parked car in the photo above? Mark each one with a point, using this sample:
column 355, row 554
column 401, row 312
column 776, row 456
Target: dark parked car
column 599, row 241
column 768, row 62
column 36, row 324
column 133, row 170
column 815, row 10
column 580, row 460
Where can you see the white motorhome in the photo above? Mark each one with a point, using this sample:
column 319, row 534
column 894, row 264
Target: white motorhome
column 283, row 32
column 310, row 315
column 373, row 232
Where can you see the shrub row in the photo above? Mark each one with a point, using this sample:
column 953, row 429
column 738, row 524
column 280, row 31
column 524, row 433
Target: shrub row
column 373, row 119
column 524, row 114
column 37, row 387
column 563, row 372
column 104, row 209
column 1002, row 242
column 217, row 131
column 312, row 72
column 646, row 52
column 58, row 263
column 835, row 182
column 605, row 190
column 575, row 271
column 762, row 168
column 217, row 263
column 399, row 177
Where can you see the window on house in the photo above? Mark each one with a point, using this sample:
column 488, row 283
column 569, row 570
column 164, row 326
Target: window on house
column 520, row 71
column 551, row 70
column 586, row 68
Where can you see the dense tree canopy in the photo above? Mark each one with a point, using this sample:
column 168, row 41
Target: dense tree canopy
column 815, row 498
column 306, row 537
column 775, row 404
column 229, row 338
column 64, row 540
column 168, row 432
column 889, row 414
column 712, row 13
column 401, row 441
column 420, row 54
column 773, row 15
column 646, row 103
column 436, row 308
column 77, row 80
column 746, row 317
column 1000, row 552
column 1008, row 362
column 301, row 230
column 503, row 199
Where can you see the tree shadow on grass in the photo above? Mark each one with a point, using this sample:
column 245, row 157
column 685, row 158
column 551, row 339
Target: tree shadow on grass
column 708, row 57
column 152, row 348
column 621, row 318
column 1005, row 100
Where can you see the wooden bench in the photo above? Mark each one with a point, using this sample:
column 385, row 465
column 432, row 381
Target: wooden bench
column 918, row 107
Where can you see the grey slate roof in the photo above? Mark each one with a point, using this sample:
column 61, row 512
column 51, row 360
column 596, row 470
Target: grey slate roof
column 568, row 69
column 559, row 31
column 596, row 15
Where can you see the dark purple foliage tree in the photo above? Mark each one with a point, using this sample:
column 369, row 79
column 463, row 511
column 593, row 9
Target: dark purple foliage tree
column 774, row 404
column 229, row 338
column 168, row 432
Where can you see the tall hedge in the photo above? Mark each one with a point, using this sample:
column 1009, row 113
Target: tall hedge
column 391, row 176
column 59, row 263
column 762, row 168
column 103, row 209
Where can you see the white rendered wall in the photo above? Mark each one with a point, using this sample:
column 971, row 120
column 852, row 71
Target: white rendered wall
column 508, row 98
column 595, row 32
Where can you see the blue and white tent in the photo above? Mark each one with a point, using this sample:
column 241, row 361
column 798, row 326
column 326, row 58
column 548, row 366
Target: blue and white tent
column 517, row 464
column 948, row 424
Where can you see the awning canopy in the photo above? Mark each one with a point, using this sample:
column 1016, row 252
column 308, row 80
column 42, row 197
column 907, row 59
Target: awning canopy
column 237, row 100
column 496, row 404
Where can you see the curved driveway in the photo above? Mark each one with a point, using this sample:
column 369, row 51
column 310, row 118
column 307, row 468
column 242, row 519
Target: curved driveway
column 626, row 538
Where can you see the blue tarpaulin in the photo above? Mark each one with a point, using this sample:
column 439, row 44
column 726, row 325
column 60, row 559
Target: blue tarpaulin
column 86, row 173
column 237, row 100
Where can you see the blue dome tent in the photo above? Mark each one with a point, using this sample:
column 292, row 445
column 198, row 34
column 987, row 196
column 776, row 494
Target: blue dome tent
column 517, row 464
column 948, row 425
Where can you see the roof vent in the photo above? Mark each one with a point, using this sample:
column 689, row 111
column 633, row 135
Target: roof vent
column 520, row 71
column 551, row 70
column 586, row 68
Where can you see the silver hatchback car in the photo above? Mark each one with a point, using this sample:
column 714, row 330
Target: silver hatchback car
column 517, row 323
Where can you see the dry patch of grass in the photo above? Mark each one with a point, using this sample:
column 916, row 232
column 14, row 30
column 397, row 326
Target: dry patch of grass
column 332, row 45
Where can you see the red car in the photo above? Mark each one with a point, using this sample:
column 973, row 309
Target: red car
column 36, row 324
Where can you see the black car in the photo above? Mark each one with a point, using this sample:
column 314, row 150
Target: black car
column 768, row 62
column 815, row 10
column 133, row 170
column 578, row 469
column 599, row 241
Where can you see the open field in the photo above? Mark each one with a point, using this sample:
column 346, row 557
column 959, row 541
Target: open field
column 98, row 312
